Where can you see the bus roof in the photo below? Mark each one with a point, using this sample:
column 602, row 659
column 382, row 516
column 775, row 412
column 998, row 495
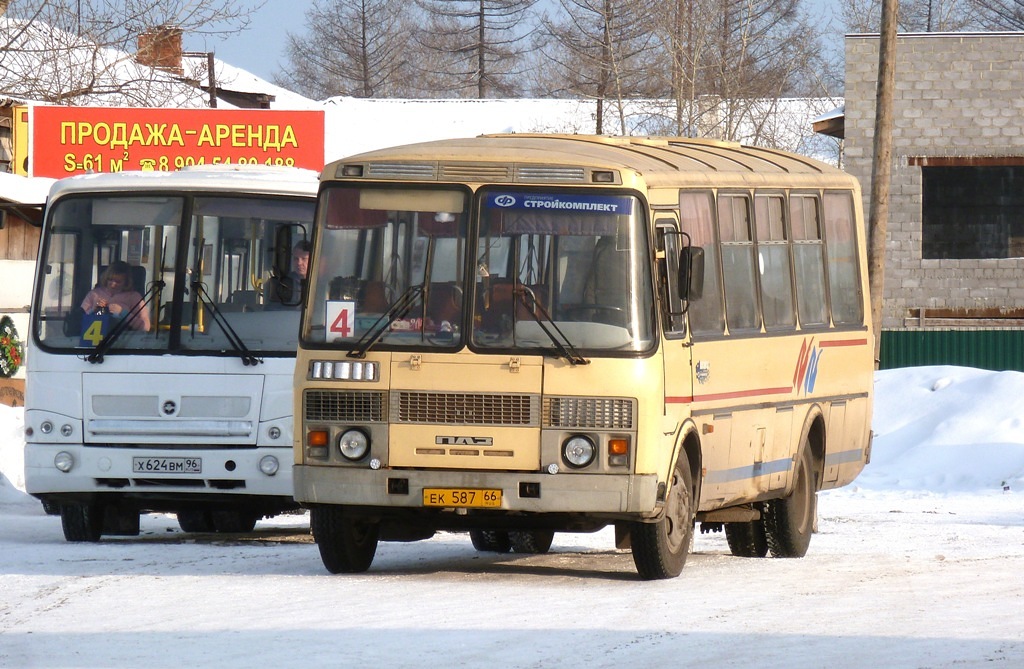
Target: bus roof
column 660, row 161
column 238, row 178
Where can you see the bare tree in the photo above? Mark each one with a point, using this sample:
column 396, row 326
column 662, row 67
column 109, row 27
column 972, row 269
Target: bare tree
column 727, row 66
column 83, row 51
column 602, row 48
column 473, row 47
column 997, row 14
column 864, row 16
column 351, row 47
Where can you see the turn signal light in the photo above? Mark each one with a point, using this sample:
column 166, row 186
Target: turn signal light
column 317, row 438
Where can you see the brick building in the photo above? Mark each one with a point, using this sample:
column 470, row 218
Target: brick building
column 955, row 251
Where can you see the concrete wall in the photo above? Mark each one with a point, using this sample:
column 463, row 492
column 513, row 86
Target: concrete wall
column 956, row 95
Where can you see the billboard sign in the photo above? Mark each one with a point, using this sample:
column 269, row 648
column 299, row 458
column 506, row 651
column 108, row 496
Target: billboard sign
column 79, row 140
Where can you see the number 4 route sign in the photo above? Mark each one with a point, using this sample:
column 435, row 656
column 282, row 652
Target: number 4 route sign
column 341, row 319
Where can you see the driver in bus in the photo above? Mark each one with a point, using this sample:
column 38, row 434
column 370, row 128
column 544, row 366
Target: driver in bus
column 115, row 294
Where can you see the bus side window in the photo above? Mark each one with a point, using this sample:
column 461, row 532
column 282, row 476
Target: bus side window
column 738, row 262
column 706, row 314
column 810, row 263
column 774, row 263
column 841, row 242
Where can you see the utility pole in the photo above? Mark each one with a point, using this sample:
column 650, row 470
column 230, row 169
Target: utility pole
column 878, row 217
column 211, row 77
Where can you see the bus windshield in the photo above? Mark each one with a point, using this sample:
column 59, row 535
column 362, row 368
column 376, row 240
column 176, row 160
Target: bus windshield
column 390, row 268
column 183, row 273
column 548, row 271
column 566, row 266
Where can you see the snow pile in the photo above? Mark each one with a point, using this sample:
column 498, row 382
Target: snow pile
column 12, row 464
column 947, row 429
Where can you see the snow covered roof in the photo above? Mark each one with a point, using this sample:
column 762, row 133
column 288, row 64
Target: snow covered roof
column 230, row 78
column 357, row 125
column 91, row 75
column 24, row 190
column 40, row 59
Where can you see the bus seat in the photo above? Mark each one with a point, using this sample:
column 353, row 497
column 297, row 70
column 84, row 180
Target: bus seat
column 444, row 303
column 609, row 285
column 501, row 300
column 245, row 300
column 373, row 298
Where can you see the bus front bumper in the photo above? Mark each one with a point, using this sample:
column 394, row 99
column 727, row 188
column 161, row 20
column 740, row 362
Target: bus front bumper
column 626, row 494
column 157, row 472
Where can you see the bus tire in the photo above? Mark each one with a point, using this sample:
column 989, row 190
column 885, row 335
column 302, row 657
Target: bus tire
column 660, row 549
column 195, row 521
column 789, row 522
column 82, row 522
column 234, row 522
column 347, row 545
column 747, row 539
column 491, row 541
column 535, row 542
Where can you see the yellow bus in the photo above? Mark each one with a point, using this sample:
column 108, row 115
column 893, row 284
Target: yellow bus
column 517, row 335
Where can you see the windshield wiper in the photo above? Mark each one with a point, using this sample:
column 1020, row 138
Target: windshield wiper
column 397, row 310
column 565, row 350
column 247, row 356
column 155, row 289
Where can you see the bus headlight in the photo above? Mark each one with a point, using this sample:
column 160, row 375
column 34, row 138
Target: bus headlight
column 269, row 465
column 578, row 451
column 354, row 444
column 64, row 461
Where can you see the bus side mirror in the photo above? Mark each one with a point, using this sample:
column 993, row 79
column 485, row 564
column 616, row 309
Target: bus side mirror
column 691, row 273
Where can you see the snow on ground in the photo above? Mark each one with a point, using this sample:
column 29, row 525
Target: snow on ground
column 918, row 563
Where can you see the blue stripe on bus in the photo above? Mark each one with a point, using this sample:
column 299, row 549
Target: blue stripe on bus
column 844, row 457
column 749, row 471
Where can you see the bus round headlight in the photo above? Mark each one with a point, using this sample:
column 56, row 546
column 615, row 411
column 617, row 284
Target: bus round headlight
column 269, row 465
column 64, row 461
column 578, row 451
column 354, row 444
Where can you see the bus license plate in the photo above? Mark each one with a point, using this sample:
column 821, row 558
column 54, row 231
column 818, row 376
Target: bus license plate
column 167, row 465
column 470, row 498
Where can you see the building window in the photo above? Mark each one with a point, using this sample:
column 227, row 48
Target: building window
column 972, row 212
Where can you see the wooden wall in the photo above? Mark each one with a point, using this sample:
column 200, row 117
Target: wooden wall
column 19, row 240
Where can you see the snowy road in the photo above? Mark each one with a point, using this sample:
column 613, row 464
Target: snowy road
column 891, row 580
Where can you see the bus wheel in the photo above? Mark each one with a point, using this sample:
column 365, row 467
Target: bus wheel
column 81, row 522
column 195, row 521
column 789, row 522
column 747, row 539
column 347, row 545
column 234, row 522
column 660, row 549
column 491, row 541
column 531, row 541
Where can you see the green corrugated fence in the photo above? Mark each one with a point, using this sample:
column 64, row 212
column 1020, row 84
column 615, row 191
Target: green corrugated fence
column 995, row 349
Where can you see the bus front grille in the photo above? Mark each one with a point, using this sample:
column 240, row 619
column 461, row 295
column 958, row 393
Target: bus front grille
column 599, row 413
column 343, row 406
column 465, row 408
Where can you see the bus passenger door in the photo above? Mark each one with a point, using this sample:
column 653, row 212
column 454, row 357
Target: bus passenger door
column 678, row 362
